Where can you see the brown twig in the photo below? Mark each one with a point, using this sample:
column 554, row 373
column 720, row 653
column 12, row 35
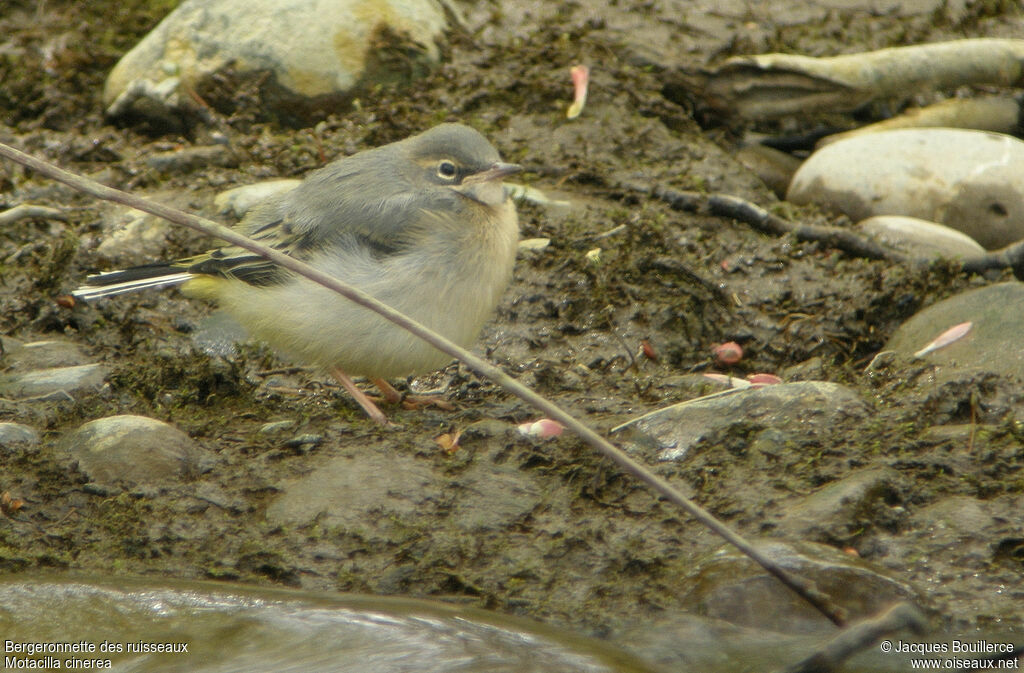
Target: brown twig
column 802, row 587
column 834, row 237
column 856, row 637
column 849, row 241
column 1012, row 256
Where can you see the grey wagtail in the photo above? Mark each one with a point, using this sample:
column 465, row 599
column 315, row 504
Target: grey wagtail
column 424, row 225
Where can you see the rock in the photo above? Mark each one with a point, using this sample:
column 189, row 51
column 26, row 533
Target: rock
column 965, row 542
column 787, row 407
column 921, row 238
column 188, row 159
column 217, row 335
column 240, row 200
column 993, row 342
column 57, row 382
column 17, row 438
column 812, row 369
column 492, row 496
column 305, row 442
column 132, row 237
column 486, row 428
column 966, row 180
column 533, row 244
column 972, row 530
column 275, row 427
column 678, row 641
column 139, row 236
column 280, row 629
column 729, row 586
column 120, row 452
column 22, row 357
column 845, row 509
column 346, row 491
column 774, row 167
column 316, row 52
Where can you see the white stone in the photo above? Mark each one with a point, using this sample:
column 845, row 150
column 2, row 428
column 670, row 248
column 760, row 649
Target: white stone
column 16, row 437
column 967, row 180
column 921, row 238
column 313, row 48
column 59, row 382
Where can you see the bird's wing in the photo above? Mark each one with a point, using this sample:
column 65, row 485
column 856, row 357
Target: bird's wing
column 334, row 206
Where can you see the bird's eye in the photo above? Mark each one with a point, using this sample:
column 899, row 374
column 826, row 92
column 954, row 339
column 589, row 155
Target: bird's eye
column 446, row 170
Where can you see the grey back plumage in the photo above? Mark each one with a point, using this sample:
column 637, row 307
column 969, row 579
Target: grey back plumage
column 360, row 202
column 364, row 196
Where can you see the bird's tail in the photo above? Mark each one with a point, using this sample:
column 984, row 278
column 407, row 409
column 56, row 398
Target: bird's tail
column 128, row 280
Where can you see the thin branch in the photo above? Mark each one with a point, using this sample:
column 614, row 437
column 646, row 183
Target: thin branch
column 834, row 237
column 847, row 240
column 27, row 211
column 802, row 587
column 1011, row 256
column 859, row 636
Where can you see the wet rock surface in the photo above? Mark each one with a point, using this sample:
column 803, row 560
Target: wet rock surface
column 765, row 413
column 959, row 178
column 17, row 437
column 48, row 369
column 921, row 238
column 309, row 55
column 996, row 317
column 121, row 452
column 728, row 586
column 543, row 529
column 215, row 626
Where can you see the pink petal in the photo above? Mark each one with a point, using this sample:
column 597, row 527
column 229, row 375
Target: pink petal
column 580, row 79
column 730, row 381
column 545, row 428
column 954, row 333
column 764, row 379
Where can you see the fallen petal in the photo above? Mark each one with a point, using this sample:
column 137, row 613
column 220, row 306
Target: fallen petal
column 764, row 379
column 949, row 336
column 545, row 428
column 580, row 80
column 730, row 381
column 534, row 243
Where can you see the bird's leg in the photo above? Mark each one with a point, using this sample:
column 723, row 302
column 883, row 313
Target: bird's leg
column 387, row 390
column 411, row 401
column 365, row 402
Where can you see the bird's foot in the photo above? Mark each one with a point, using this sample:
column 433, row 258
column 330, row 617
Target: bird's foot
column 410, row 401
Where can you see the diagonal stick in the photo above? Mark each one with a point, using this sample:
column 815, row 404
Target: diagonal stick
column 804, row 588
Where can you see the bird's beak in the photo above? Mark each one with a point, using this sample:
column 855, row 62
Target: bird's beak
column 499, row 170
column 485, row 186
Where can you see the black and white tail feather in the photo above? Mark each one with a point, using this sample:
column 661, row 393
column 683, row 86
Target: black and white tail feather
column 228, row 262
column 129, row 280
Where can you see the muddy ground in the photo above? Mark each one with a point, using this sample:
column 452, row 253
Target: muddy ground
column 585, row 547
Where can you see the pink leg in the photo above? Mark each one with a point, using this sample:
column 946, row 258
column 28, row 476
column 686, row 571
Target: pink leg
column 365, row 402
column 387, row 390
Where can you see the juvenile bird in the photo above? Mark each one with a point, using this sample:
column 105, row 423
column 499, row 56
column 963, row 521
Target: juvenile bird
column 424, row 225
